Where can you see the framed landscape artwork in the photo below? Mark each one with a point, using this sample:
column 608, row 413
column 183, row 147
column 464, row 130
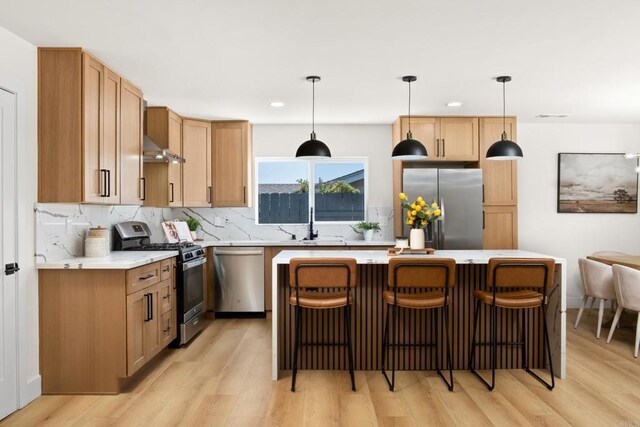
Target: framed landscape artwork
column 597, row 183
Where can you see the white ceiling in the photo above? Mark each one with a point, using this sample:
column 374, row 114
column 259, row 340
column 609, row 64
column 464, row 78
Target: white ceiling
column 230, row 59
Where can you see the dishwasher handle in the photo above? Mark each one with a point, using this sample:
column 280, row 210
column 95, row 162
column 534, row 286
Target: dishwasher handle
column 247, row 252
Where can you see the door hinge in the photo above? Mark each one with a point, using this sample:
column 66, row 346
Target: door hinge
column 11, row 268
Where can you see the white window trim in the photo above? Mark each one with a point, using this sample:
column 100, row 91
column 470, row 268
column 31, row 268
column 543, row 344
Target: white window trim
column 312, row 193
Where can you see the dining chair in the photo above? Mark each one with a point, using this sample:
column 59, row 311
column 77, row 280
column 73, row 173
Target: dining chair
column 626, row 282
column 597, row 283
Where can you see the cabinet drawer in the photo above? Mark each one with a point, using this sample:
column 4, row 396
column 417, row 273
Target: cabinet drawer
column 142, row 277
column 167, row 329
column 166, row 269
column 166, row 296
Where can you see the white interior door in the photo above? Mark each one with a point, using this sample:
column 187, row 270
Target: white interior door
column 8, row 256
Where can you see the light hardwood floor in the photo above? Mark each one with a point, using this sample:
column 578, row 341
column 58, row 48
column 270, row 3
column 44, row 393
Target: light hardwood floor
column 224, row 378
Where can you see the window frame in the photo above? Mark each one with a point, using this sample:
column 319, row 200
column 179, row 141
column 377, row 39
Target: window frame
column 312, row 193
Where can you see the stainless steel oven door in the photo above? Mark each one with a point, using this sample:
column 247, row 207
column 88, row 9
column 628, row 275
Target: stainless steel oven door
column 192, row 288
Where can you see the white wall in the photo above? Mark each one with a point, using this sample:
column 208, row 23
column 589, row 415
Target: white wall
column 372, row 141
column 571, row 236
column 18, row 72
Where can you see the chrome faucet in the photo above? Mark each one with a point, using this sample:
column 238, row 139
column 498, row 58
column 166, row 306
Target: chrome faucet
column 312, row 234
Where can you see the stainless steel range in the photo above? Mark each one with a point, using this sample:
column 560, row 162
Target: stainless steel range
column 190, row 280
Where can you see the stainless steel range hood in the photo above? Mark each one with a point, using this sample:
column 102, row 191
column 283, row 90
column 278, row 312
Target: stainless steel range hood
column 151, row 152
column 154, row 154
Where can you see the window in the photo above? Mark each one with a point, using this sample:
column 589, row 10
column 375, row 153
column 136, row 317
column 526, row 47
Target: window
column 284, row 197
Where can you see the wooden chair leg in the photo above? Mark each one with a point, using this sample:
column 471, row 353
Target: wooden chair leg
column 584, row 303
column 600, row 315
column 616, row 318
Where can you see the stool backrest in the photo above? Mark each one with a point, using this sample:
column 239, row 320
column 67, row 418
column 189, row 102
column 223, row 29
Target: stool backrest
column 626, row 282
column 322, row 272
column 405, row 272
column 521, row 272
column 597, row 279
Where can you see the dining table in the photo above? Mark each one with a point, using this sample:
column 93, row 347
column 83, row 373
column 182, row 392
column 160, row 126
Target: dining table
column 631, row 261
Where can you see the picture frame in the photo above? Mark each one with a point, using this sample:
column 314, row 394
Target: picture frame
column 597, row 183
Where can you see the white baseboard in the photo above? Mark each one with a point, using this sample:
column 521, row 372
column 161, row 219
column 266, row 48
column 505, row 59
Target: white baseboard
column 30, row 391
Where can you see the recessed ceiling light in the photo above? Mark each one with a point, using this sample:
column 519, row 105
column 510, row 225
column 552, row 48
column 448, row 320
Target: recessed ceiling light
column 552, row 116
column 277, row 104
column 454, row 104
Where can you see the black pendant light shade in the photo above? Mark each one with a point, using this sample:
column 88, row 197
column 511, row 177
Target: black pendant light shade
column 313, row 148
column 409, row 148
column 504, row 149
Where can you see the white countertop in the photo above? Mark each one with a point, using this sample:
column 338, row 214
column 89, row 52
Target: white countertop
column 118, row 260
column 477, row 256
column 303, row 243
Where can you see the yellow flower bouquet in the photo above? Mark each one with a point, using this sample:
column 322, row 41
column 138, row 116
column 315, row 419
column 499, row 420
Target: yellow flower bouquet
column 420, row 213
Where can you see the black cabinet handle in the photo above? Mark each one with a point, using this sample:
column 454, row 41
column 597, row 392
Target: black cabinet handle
column 483, row 220
column 151, row 305
column 103, row 183
column 244, row 194
column 146, row 276
column 148, row 314
column 437, row 148
column 209, row 194
column 108, row 182
column 143, row 196
column 443, row 148
column 171, row 187
column 482, row 193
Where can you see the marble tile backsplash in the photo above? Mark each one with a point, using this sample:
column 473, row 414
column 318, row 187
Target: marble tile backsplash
column 61, row 228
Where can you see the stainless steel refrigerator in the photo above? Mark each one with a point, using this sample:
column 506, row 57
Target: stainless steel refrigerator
column 459, row 194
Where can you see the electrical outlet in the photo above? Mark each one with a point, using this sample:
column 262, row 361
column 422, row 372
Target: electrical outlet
column 218, row 221
column 68, row 226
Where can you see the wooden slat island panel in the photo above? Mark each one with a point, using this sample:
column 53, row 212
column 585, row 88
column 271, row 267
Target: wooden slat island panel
column 415, row 325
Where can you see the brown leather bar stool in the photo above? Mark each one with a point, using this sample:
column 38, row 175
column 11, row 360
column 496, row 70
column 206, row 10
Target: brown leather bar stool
column 321, row 284
column 525, row 282
column 406, row 274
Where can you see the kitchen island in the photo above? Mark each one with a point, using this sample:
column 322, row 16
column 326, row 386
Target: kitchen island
column 368, row 317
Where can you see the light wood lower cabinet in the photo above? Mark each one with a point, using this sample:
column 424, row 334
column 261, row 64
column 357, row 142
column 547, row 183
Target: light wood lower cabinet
column 98, row 327
column 500, row 225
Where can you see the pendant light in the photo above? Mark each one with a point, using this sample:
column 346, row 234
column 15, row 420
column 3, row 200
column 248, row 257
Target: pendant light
column 313, row 148
column 409, row 149
column 504, row 149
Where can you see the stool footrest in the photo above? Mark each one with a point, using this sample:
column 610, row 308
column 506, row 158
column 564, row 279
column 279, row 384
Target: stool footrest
column 501, row 343
column 315, row 344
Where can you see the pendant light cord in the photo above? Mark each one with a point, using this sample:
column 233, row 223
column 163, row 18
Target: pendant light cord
column 409, row 106
column 313, row 107
column 504, row 108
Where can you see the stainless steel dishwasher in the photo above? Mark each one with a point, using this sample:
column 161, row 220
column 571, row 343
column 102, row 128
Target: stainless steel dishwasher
column 239, row 281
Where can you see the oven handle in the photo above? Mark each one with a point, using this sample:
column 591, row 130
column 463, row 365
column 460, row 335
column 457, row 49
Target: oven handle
column 194, row 263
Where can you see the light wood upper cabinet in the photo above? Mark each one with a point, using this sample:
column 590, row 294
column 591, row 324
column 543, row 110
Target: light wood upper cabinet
column 110, row 152
column 500, row 177
column 458, row 139
column 423, row 129
column 445, row 138
column 232, row 161
column 89, row 131
column 164, row 180
column 196, row 150
column 500, row 227
column 131, row 105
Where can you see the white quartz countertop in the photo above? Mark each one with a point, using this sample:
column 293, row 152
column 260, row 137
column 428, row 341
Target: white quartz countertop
column 302, row 243
column 478, row 256
column 118, row 260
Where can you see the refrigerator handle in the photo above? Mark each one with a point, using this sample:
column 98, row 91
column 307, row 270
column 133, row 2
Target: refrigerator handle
column 441, row 225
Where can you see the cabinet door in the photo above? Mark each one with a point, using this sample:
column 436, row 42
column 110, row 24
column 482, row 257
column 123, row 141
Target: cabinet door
column 196, row 150
column 110, row 164
column 175, row 169
column 499, row 177
column 500, row 227
column 131, row 183
column 230, row 144
column 92, row 121
column 459, row 138
column 425, row 130
column 166, row 295
column 167, row 329
column 137, row 313
column 152, row 327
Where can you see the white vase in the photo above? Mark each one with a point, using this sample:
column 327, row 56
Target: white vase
column 194, row 235
column 416, row 238
column 368, row 235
